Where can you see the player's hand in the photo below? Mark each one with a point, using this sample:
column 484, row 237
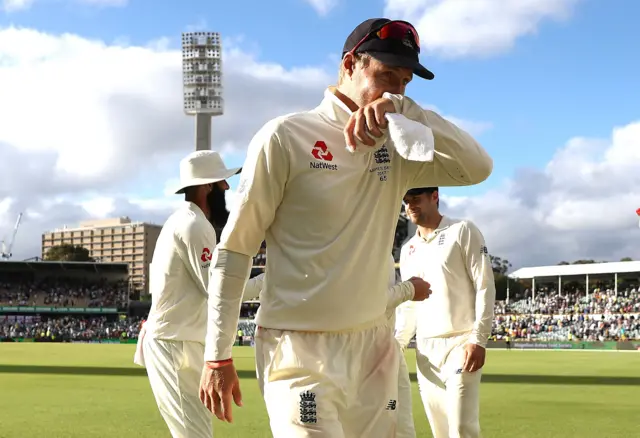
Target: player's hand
column 370, row 117
column 421, row 288
column 474, row 356
column 217, row 388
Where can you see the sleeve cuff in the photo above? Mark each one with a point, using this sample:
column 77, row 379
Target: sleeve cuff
column 411, row 291
column 479, row 339
column 396, row 99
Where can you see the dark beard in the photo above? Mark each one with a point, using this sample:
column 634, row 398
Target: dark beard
column 218, row 214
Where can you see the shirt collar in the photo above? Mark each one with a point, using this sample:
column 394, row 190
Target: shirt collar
column 333, row 109
column 194, row 208
column 445, row 222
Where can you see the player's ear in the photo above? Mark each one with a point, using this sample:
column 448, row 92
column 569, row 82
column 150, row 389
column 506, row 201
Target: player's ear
column 348, row 64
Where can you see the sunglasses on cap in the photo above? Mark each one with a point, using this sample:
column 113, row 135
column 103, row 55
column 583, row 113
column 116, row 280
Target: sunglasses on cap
column 395, row 29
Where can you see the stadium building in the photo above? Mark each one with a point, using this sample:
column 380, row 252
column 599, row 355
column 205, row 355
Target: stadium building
column 117, row 240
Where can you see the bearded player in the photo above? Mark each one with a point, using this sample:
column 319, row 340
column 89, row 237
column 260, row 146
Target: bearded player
column 171, row 344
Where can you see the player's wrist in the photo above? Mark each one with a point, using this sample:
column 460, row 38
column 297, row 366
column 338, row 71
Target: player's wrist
column 215, row 364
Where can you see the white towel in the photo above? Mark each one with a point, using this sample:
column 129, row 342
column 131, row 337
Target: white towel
column 138, row 357
column 413, row 140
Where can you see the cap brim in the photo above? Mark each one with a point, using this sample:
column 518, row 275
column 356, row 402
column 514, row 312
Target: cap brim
column 202, row 181
column 420, row 190
column 394, row 60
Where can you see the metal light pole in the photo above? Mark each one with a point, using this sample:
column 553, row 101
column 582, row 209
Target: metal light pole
column 202, row 81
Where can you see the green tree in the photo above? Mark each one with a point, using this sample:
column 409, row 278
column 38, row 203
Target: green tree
column 500, row 266
column 626, row 259
column 584, row 262
column 68, row 253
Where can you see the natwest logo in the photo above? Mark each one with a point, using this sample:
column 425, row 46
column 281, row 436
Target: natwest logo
column 321, row 152
column 206, row 255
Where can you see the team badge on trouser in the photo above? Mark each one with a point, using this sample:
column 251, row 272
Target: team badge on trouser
column 330, row 385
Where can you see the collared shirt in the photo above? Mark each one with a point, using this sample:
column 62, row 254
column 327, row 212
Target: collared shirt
column 454, row 260
column 328, row 217
column 179, row 276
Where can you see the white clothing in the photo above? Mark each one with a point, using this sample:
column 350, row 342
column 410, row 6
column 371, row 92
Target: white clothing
column 451, row 398
column 174, row 369
column 410, row 139
column 400, row 292
column 455, row 261
column 171, row 341
column 406, row 427
column 179, row 276
column 302, row 190
column 397, row 293
column 353, row 395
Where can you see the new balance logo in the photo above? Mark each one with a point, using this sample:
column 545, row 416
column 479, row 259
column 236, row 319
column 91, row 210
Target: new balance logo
column 308, row 408
column 392, row 405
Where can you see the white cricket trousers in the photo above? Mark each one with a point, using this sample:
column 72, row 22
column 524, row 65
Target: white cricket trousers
column 406, row 428
column 451, row 397
column 330, row 384
column 174, row 369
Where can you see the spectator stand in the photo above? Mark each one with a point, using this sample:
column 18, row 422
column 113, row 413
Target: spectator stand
column 564, row 277
column 50, row 294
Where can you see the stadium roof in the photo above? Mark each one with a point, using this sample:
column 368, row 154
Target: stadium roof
column 41, row 266
column 577, row 270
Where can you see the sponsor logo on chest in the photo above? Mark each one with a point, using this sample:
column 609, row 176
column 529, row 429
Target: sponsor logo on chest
column 322, row 157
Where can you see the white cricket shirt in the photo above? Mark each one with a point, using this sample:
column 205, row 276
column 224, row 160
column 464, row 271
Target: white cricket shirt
column 455, row 261
column 329, row 218
column 179, row 276
column 398, row 292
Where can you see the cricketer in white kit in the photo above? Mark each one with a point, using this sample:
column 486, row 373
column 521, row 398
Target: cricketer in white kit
column 171, row 343
column 326, row 358
column 452, row 328
column 414, row 289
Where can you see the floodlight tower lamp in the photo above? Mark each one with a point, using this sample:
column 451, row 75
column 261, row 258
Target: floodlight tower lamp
column 202, row 81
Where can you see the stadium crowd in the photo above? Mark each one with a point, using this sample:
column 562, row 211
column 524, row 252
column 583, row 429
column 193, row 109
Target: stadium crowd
column 63, row 293
column 600, row 316
column 546, row 315
column 68, row 328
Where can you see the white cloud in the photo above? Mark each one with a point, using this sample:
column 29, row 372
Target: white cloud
column 95, row 129
column 580, row 206
column 16, row 5
column 460, row 28
column 323, row 7
column 20, row 5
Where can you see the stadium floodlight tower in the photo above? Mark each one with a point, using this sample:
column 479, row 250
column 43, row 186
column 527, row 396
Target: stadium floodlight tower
column 202, row 81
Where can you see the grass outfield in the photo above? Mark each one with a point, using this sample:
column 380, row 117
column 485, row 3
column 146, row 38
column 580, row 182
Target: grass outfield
column 92, row 390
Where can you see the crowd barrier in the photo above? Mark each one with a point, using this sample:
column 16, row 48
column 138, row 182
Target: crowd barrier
column 562, row 345
column 568, row 345
column 518, row 345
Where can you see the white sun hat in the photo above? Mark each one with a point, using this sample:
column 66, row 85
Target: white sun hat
column 203, row 167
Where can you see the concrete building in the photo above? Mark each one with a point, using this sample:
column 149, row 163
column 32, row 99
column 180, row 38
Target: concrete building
column 112, row 240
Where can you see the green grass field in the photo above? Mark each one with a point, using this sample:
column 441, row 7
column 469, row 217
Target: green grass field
column 92, row 390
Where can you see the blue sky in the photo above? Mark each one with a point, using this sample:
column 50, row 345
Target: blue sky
column 576, row 77
column 532, row 74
